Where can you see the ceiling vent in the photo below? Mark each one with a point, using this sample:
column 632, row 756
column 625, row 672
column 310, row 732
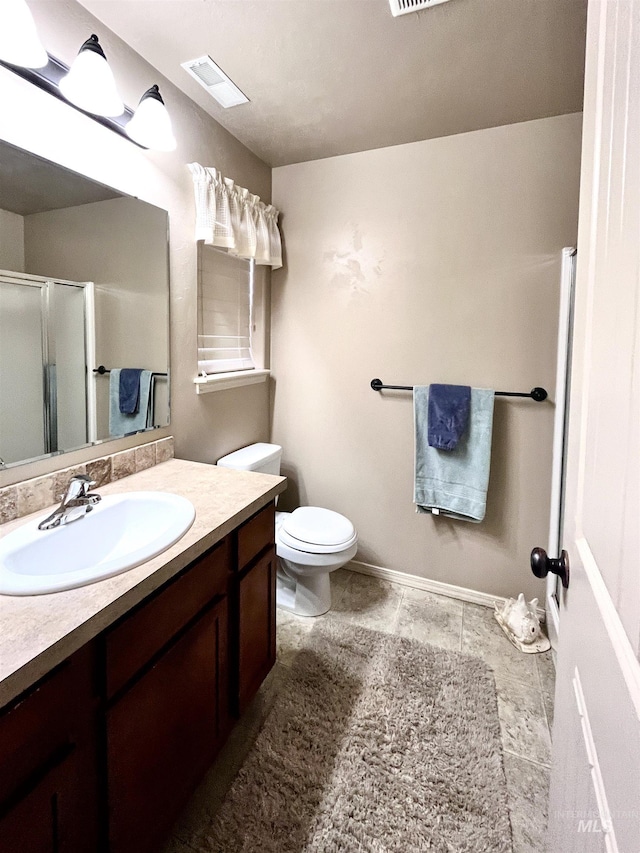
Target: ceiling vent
column 216, row 82
column 403, row 7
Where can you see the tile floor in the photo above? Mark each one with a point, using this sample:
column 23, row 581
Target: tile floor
column 524, row 684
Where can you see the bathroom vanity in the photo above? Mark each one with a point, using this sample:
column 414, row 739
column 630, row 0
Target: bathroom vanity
column 116, row 697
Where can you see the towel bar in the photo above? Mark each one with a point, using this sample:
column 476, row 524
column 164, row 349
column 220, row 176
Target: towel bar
column 537, row 394
column 102, row 370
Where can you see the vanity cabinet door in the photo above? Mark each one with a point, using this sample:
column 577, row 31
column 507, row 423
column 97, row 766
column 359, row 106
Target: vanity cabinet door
column 256, row 534
column 140, row 635
column 256, row 626
column 164, row 732
column 49, row 817
column 48, row 763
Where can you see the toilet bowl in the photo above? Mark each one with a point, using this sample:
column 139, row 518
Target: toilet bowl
column 311, row 542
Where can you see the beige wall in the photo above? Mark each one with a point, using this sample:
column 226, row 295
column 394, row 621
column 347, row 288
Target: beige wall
column 11, row 241
column 436, row 261
column 207, row 426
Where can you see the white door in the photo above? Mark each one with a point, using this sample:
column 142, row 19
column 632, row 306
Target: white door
column 561, row 423
column 595, row 781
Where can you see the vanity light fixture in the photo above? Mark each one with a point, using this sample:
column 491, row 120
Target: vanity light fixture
column 89, row 83
column 19, row 41
column 151, row 123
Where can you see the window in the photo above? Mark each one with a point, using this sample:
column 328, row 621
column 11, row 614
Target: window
column 225, row 309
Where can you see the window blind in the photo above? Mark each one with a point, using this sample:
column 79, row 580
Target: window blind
column 225, row 291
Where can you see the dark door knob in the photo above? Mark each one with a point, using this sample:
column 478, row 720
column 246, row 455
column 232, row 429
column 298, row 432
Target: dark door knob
column 541, row 565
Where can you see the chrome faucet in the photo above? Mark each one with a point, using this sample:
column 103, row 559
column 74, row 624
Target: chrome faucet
column 76, row 503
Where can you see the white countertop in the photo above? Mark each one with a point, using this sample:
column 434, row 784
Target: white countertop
column 38, row 632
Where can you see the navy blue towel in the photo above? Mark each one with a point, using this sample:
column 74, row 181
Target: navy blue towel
column 448, row 415
column 129, row 390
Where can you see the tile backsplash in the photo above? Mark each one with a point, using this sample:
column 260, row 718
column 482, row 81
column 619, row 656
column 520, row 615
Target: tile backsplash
column 31, row 495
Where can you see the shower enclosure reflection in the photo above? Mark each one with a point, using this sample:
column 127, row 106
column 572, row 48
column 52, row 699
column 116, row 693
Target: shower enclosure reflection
column 83, row 282
column 46, row 337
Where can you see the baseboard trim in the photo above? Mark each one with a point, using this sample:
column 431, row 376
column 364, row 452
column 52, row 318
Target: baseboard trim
column 473, row 596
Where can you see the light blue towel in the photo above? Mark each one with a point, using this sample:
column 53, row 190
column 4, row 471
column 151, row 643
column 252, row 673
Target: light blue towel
column 123, row 424
column 454, row 482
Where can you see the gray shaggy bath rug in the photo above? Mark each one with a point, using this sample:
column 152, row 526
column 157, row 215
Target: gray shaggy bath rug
column 375, row 744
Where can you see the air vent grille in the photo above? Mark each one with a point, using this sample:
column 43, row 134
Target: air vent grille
column 212, row 78
column 403, row 7
column 206, row 74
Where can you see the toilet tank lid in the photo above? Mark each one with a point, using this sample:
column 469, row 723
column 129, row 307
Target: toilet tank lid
column 251, row 457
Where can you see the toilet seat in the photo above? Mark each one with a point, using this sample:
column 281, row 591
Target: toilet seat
column 315, row 530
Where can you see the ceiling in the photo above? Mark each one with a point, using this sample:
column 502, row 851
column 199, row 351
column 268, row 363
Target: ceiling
column 29, row 184
column 328, row 77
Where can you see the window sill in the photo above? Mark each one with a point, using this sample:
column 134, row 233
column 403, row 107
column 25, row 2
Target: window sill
column 222, row 381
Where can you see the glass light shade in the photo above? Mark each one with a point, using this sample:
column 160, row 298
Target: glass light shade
column 19, row 42
column 89, row 84
column 151, row 123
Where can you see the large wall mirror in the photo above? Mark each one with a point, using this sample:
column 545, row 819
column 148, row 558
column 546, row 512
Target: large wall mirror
column 84, row 295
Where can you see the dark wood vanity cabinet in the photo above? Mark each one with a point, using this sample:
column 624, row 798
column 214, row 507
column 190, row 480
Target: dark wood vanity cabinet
column 104, row 752
column 166, row 682
column 49, row 787
column 256, row 605
column 163, row 734
column 256, row 630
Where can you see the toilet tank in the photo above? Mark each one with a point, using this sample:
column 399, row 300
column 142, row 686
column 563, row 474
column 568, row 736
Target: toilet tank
column 261, row 457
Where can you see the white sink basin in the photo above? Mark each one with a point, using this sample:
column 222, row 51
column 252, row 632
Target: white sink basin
column 120, row 532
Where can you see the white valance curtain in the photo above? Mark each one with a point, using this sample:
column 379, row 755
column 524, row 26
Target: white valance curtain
column 232, row 218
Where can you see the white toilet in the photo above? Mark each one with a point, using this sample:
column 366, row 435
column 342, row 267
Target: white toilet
column 311, row 542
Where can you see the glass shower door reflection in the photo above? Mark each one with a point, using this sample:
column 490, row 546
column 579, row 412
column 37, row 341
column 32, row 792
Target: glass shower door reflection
column 69, row 364
column 44, row 399
column 22, row 360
